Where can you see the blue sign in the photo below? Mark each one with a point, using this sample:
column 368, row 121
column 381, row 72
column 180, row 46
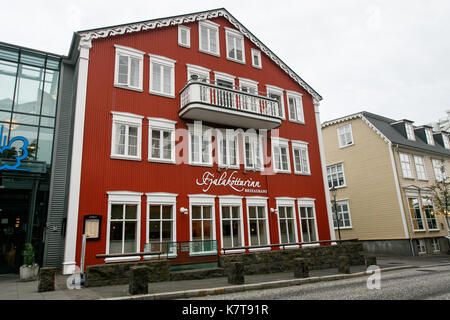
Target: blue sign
column 7, row 146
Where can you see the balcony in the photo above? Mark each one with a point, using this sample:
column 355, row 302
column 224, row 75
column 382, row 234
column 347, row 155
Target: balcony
column 226, row 106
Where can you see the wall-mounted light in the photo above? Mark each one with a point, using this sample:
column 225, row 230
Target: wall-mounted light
column 184, row 210
column 274, row 210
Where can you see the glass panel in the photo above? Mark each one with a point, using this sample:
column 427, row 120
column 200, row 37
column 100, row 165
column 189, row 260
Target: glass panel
column 156, row 77
column 8, row 73
column 226, row 234
column 254, row 233
column 207, row 230
column 130, row 211
column 30, row 133
column 115, row 237
column 134, row 72
column 130, row 237
column 10, row 54
column 206, row 212
column 196, row 212
column 5, row 116
column 166, row 231
column 225, row 212
column 196, row 230
column 45, row 145
column 122, row 77
column 25, row 119
column 167, row 72
column 32, row 58
column 283, row 231
column 213, row 40
column 47, row 122
column 155, row 231
column 231, row 48
column 116, row 211
column 155, row 144
column 291, row 230
column 29, row 90
column 167, row 145
column 204, row 38
column 262, row 232
column 53, row 63
column 167, row 212
column 235, row 212
column 155, row 212
column 252, row 212
column 50, row 93
column 120, row 138
column 236, row 234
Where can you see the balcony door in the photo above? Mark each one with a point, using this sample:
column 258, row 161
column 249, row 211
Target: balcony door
column 225, row 98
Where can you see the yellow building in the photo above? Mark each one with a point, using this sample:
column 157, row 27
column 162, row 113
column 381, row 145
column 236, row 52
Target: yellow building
column 380, row 171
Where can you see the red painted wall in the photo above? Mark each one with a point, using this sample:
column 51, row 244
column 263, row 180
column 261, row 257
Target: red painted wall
column 101, row 174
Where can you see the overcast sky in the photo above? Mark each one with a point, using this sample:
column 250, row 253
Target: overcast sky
column 387, row 57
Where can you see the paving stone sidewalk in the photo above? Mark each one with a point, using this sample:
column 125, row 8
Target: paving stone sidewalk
column 13, row 289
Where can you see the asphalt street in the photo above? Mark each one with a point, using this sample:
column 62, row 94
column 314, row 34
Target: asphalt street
column 410, row 284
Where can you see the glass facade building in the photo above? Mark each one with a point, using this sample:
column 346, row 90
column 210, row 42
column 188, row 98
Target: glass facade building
column 29, row 82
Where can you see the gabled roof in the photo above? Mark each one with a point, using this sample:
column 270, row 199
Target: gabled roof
column 383, row 127
column 86, row 36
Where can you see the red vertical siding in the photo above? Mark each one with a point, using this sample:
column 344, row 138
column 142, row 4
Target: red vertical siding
column 101, row 174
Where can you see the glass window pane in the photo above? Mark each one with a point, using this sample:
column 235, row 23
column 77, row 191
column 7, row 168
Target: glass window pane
column 45, row 145
column 167, row 145
column 196, row 212
column 196, row 230
column 5, row 116
column 30, row 133
column 225, row 212
column 206, row 212
column 156, row 144
column 47, row 122
column 8, row 71
column 32, row 58
column 262, row 232
column 130, row 237
column 207, row 230
column 115, row 237
column 130, row 211
column 226, row 234
column 50, row 93
column 156, row 77
column 155, row 231
column 166, row 231
column 235, row 212
column 29, row 90
column 25, row 119
column 236, row 233
column 116, row 211
column 167, row 212
column 155, row 212
column 252, row 212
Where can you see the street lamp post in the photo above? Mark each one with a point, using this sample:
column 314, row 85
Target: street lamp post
column 338, row 219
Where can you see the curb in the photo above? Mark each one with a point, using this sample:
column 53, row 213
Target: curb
column 246, row 287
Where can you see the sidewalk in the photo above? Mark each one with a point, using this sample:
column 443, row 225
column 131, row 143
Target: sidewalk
column 13, row 289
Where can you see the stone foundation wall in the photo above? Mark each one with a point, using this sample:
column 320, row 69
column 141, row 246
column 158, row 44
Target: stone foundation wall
column 322, row 257
column 119, row 273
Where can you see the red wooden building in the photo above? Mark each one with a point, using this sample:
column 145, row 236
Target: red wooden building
column 189, row 129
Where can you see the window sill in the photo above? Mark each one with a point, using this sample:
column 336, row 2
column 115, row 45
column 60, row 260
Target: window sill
column 122, row 259
column 210, row 165
column 420, row 230
column 252, row 169
column 343, row 228
column 156, row 256
column 204, row 253
column 121, row 86
column 297, row 121
column 346, row 146
column 161, row 94
column 409, row 178
column 184, row 45
column 233, row 251
column 257, row 67
column 235, row 60
column 302, row 173
column 338, row 187
column 120, row 157
column 210, row 53
column 289, row 247
column 259, row 249
column 282, row 171
column 229, row 167
column 161, row 161
column 433, row 230
column 310, row 245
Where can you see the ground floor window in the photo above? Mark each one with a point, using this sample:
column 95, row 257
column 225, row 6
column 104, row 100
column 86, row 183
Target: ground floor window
column 231, row 227
column 286, row 222
column 343, row 213
column 308, row 225
column 435, row 245
column 257, row 218
column 421, row 248
column 416, row 215
column 160, row 227
column 427, row 205
column 202, row 228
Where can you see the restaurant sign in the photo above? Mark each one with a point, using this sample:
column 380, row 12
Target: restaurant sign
column 229, row 180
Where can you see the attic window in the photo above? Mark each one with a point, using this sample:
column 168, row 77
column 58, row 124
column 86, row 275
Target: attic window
column 446, row 141
column 429, row 136
column 184, row 36
column 410, row 131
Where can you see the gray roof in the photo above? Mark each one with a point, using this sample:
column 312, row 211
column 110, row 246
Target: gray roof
column 383, row 124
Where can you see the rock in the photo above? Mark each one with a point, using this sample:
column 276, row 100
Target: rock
column 236, row 273
column 344, row 264
column 301, row 269
column 47, row 279
column 138, row 283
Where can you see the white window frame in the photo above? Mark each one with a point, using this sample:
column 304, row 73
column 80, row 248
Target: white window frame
column 344, row 226
column 446, row 141
column 204, row 134
column 202, row 200
column 302, row 146
column 199, row 71
column 188, row 36
column 421, row 247
column 280, row 143
column 424, row 199
column 410, row 131
column 162, row 198
column 421, row 169
column 438, row 175
column 235, row 36
column 232, row 201
column 298, row 108
column 128, row 119
column 124, row 198
column 270, row 89
column 227, row 135
column 248, row 102
column 308, row 203
column 209, row 25
column 287, row 202
column 406, row 166
column 341, row 164
column 255, row 140
column 255, row 201
column 257, row 53
column 435, row 245
column 342, row 131
column 429, row 136
column 130, row 53
column 167, row 62
column 424, row 222
column 160, row 124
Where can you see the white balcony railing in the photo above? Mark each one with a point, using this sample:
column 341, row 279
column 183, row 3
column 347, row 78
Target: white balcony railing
column 218, row 96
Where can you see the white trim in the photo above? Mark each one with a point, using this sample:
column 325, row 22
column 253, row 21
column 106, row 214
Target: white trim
column 258, row 53
column 224, row 76
column 201, row 132
column 287, row 202
column 347, row 202
column 339, row 135
column 277, row 142
column 129, row 50
column 210, row 25
column 202, row 200
column 307, row 203
column 160, row 124
column 302, row 145
column 197, row 70
column 129, row 53
column 278, row 91
column 76, row 161
column 252, row 138
column 128, row 119
column 235, row 201
column 163, row 61
column 238, row 35
column 255, row 201
column 228, row 135
column 299, row 112
column 188, row 36
column 324, row 171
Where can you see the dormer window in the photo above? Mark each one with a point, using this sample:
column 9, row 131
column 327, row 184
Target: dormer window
column 446, row 141
column 410, row 131
column 429, row 135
